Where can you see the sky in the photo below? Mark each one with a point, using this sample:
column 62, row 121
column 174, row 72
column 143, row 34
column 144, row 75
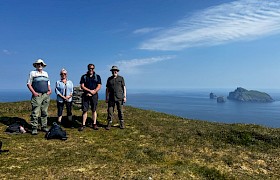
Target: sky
column 157, row 44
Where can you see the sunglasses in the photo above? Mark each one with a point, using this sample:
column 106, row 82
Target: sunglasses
column 40, row 64
column 90, row 68
column 63, row 74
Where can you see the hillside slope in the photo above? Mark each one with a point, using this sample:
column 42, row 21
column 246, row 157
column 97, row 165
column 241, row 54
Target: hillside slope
column 153, row 145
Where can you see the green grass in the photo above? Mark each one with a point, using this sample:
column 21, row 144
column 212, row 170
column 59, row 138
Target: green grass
column 155, row 145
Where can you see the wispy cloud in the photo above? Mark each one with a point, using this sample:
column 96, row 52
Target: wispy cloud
column 131, row 66
column 7, row 52
column 145, row 30
column 236, row 21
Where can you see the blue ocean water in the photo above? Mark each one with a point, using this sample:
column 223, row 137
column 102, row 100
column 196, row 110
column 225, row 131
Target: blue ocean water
column 192, row 104
column 196, row 104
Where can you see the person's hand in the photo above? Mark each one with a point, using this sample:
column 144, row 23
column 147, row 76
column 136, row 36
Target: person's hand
column 49, row 92
column 35, row 94
column 124, row 99
column 92, row 92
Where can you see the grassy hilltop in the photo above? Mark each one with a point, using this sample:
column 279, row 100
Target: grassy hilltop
column 153, row 146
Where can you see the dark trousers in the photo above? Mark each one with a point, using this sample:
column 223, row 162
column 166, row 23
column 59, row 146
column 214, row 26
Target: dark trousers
column 111, row 107
column 60, row 106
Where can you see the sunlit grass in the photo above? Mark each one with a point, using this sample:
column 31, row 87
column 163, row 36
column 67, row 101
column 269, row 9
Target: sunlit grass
column 154, row 145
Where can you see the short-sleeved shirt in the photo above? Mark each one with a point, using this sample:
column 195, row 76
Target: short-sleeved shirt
column 116, row 88
column 90, row 82
column 39, row 81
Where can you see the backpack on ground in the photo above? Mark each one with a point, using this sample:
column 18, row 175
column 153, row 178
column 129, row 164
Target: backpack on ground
column 13, row 128
column 56, row 132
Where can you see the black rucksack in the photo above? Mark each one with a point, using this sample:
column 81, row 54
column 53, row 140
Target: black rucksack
column 56, row 132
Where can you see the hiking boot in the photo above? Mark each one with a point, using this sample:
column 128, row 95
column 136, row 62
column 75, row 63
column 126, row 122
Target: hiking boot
column 44, row 129
column 34, row 132
column 95, row 127
column 108, row 126
column 82, row 128
column 122, row 124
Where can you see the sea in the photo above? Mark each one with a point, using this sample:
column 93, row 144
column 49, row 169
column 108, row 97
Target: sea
column 191, row 104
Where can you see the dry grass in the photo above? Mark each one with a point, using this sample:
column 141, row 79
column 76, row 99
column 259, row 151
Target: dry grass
column 153, row 145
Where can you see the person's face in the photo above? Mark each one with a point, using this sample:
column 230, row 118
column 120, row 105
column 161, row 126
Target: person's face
column 63, row 75
column 91, row 69
column 39, row 66
column 115, row 73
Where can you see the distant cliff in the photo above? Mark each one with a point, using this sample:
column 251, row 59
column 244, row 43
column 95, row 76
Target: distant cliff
column 243, row 95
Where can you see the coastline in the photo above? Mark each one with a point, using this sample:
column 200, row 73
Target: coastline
column 188, row 103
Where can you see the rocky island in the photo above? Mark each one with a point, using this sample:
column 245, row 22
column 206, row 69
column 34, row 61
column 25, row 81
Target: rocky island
column 212, row 96
column 243, row 95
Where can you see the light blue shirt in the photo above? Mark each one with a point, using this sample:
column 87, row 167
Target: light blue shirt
column 64, row 90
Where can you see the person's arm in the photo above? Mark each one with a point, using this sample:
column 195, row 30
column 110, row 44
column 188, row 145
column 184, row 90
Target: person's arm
column 107, row 95
column 49, row 84
column 29, row 85
column 98, row 84
column 97, row 88
column 124, row 94
column 124, row 90
column 34, row 93
column 57, row 91
column 71, row 89
column 49, row 90
column 83, row 87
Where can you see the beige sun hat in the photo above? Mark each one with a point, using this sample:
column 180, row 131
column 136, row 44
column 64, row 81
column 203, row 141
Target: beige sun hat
column 115, row 68
column 39, row 61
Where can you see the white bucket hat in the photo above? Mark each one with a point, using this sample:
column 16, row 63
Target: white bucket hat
column 39, row 61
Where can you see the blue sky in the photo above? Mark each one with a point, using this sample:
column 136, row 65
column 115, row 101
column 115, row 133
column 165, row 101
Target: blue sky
column 157, row 44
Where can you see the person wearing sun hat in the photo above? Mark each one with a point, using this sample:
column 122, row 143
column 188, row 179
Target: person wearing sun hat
column 39, row 85
column 115, row 95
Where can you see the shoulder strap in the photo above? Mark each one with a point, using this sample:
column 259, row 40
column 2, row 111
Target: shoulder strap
column 95, row 77
column 85, row 78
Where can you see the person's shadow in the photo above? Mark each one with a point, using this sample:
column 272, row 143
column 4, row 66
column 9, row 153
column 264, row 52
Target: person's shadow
column 75, row 123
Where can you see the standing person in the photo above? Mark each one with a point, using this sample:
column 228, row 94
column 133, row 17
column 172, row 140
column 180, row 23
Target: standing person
column 90, row 84
column 39, row 85
column 115, row 94
column 64, row 91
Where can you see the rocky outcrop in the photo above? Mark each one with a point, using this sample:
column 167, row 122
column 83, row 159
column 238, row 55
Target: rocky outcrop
column 212, row 96
column 243, row 95
column 221, row 99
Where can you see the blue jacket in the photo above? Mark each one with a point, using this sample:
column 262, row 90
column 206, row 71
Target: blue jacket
column 61, row 88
